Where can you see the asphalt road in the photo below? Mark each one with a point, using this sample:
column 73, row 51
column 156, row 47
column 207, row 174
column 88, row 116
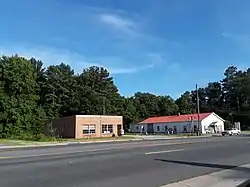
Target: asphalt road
column 130, row 164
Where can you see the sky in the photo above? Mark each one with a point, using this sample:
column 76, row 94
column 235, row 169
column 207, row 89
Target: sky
column 163, row 47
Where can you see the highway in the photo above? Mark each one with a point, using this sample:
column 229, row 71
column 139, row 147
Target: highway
column 124, row 164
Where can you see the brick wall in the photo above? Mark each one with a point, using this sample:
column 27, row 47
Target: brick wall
column 98, row 121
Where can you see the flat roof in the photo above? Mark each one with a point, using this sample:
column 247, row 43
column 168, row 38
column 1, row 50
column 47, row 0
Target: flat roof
column 94, row 116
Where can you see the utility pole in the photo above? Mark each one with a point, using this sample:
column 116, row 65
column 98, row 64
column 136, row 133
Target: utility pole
column 198, row 110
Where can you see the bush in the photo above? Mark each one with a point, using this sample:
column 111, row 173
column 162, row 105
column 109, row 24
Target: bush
column 38, row 137
column 228, row 124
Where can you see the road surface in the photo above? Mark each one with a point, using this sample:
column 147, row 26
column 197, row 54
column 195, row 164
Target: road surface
column 124, row 164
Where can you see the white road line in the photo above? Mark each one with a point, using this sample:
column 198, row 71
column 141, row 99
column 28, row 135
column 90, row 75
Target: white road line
column 94, row 150
column 166, row 151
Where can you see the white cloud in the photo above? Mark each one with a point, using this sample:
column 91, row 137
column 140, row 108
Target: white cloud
column 156, row 57
column 123, row 70
column 161, row 59
column 53, row 56
column 126, row 25
column 118, row 22
column 175, row 67
column 122, row 24
column 237, row 37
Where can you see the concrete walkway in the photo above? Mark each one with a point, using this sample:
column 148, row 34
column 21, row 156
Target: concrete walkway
column 225, row 178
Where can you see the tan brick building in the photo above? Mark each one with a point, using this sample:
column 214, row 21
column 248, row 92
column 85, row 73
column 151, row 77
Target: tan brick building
column 83, row 126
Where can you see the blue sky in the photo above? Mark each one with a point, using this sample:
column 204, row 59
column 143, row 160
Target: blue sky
column 157, row 46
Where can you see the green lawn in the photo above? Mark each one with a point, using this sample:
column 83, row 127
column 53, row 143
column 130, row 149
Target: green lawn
column 51, row 141
column 246, row 132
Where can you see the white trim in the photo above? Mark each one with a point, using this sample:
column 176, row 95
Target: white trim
column 218, row 117
column 215, row 116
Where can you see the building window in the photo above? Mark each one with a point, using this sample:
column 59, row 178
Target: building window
column 158, row 128
column 107, row 129
column 185, row 128
column 175, row 129
column 88, row 129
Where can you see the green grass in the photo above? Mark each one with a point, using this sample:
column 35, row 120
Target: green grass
column 3, row 141
column 246, row 131
column 49, row 140
column 22, row 142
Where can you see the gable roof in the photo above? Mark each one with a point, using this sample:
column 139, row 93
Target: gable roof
column 179, row 118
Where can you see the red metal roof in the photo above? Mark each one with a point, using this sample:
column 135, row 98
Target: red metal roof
column 179, row 118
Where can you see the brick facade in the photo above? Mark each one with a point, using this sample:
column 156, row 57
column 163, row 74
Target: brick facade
column 84, row 126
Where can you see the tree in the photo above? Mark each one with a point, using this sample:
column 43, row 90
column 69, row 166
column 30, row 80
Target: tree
column 101, row 90
column 19, row 100
column 185, row 103
column 30, row 94
column 228, row 124
column 213, row 96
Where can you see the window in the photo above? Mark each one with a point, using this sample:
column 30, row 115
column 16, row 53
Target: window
column 185, row 128
column 175, row 129
column 88, row 129
column 110, row 128
column 195, row 128
column 106, row 129
column 158, row 128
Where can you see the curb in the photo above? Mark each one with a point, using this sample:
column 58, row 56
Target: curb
column 232, row 177
column 11, row 147
column 245, row 184
column 178, row 138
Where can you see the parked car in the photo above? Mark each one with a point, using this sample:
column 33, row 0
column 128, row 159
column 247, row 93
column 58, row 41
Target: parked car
column 230, row 132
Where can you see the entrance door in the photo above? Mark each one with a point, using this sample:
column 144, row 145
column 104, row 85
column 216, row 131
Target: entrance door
column 119, row 127
column 150, row 128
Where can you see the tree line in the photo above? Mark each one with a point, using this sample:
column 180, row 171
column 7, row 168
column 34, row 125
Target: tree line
column 31, row 94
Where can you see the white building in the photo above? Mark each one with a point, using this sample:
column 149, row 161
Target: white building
column 209, row 123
